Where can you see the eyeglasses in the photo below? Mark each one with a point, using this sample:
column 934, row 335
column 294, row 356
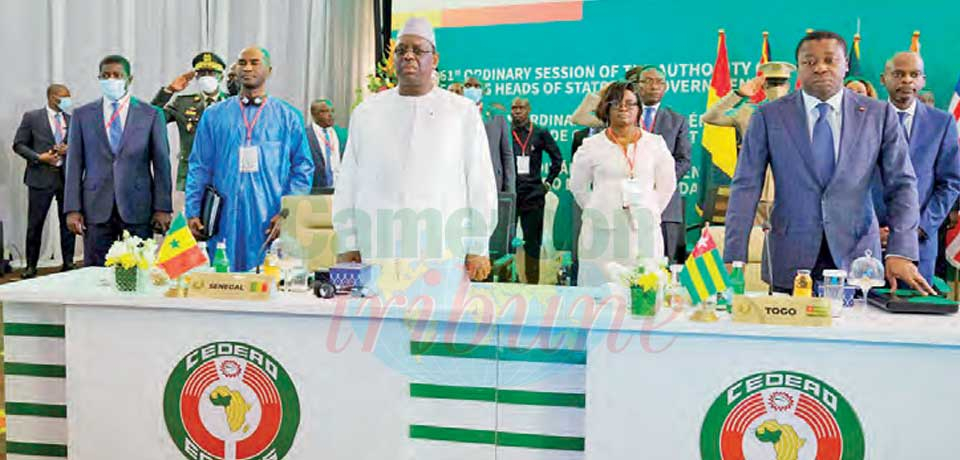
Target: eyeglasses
column 653, row 81
column 624, row 104
column 899, row 74
column 402, row 51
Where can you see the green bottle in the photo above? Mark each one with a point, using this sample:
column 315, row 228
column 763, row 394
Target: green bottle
column 220, row 262
column 736, row 279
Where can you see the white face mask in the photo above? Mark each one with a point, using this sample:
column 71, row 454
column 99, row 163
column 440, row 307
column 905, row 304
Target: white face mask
column 209, row 84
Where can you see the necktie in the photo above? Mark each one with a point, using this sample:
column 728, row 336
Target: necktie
column 648, row 118
column 903, row 124
column 116, row 130
column 824, row 156
column 328, row 170
column 58, row 132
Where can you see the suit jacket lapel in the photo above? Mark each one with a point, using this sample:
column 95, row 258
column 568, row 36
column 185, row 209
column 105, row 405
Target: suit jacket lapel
column 661, row 120
column 919, row 115
column 794, row 117
column 101, row 129
column 129, row 124
column 44, row 120
column 850, row 129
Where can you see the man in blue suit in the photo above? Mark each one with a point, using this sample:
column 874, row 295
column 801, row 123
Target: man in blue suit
column 118, row 166
column 823, row 144
column 932, row 136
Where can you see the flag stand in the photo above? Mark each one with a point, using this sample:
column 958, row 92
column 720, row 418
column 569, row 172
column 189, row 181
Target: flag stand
column 178, row 290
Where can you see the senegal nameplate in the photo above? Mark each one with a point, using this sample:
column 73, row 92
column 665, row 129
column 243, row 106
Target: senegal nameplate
column 782, row 310
column 230, row 286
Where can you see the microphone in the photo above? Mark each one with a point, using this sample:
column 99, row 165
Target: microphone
column 284, row 213
column 766, row 248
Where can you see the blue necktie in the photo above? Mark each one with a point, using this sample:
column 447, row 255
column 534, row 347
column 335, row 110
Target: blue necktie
column 58, row 132
column 903, row 124
column 648, row 118
column 116, row 130
column 327, row 168
column 824, row 156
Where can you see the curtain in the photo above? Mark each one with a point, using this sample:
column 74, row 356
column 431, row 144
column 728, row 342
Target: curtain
column 319, row 49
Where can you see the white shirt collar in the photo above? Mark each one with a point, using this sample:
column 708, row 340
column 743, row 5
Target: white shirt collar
column 655, row 107
column 51, row 113
column 123, row 101
column 912, row 110
column 811, row 102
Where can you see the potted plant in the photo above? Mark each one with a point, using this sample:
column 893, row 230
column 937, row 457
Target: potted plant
column 131, row 258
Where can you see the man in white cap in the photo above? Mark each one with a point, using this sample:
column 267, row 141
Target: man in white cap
column 416, row 180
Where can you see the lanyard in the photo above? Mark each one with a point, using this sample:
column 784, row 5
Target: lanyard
column 630, row 160
column 256, row 117
column 326, row 140
column 116, row 113
column 523, row 145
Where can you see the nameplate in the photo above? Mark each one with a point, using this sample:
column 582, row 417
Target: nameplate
column 782, row 310
column 230, row 286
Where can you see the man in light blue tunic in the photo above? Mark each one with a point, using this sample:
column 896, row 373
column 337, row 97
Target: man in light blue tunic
column 253, row 150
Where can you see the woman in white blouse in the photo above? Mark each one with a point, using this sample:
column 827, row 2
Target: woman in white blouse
column 622, row 178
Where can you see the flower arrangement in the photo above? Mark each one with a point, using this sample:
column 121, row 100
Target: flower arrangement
column 385, row 77
column 132, row 251
column 645, row 283
column 128, row 257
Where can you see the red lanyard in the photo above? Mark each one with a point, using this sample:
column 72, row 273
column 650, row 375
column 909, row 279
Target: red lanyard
column 326, row 139
column 623, row 148
column 256, row 117
column 523, row 145
column 116, row 113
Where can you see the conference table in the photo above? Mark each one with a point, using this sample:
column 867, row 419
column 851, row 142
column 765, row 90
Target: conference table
column 481, row 371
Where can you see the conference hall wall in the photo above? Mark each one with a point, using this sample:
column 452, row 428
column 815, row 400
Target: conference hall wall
column 555, row 52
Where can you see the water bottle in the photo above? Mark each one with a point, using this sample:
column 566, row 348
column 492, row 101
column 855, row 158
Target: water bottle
column 737, row 282
column 220, row 262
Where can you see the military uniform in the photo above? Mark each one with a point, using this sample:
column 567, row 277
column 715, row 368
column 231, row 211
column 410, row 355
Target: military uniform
column 735, row 110
column 186, row 109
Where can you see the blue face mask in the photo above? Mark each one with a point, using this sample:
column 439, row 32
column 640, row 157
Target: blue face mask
column 474, row 94
column 65, row 103
column 113, row 88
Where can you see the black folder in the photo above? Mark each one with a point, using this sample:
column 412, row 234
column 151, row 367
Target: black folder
column 210, row 212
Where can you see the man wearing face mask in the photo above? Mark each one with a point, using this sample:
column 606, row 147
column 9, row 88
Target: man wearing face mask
column 185, row 109
column 41, row 139
column 932, row 137
column 416, row 185
column 118, row 166
column 253, row 150
column 498, row 137
column 735, row 109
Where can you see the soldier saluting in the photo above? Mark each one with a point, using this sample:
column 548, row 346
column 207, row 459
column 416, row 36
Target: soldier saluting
column 186, row 109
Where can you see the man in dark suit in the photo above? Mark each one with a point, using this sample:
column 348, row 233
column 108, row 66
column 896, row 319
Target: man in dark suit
column 932, row 137
column 41, row 140
column 118, row 166
column 823, row 144
column 327, row 142
column 498, row 137
column 651, row 84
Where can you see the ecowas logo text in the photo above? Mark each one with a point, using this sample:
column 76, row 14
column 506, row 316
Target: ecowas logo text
column 781, row 416
column 231, row 401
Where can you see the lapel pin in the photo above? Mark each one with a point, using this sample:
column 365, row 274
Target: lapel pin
column 862, row 108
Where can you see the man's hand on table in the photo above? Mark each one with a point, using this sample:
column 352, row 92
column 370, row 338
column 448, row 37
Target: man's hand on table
column 904, row 269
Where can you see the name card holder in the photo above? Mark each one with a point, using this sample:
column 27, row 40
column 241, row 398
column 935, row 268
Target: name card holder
column 230, row 286
column 782, row 310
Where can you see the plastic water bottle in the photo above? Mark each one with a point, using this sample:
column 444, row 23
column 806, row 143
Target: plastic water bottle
column 737, row 282
column 220, row 262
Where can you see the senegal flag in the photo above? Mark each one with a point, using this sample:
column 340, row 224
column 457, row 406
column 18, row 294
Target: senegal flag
column 721, row 141
column 179, row 252
column 704, row 274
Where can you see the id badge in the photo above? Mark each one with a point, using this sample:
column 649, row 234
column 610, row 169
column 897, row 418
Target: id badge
column 632, row 193
column 249, row 159
column 523, row 164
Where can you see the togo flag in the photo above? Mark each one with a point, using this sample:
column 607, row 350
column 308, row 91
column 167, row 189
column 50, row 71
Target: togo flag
column 704, row 274
column 179, row 252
